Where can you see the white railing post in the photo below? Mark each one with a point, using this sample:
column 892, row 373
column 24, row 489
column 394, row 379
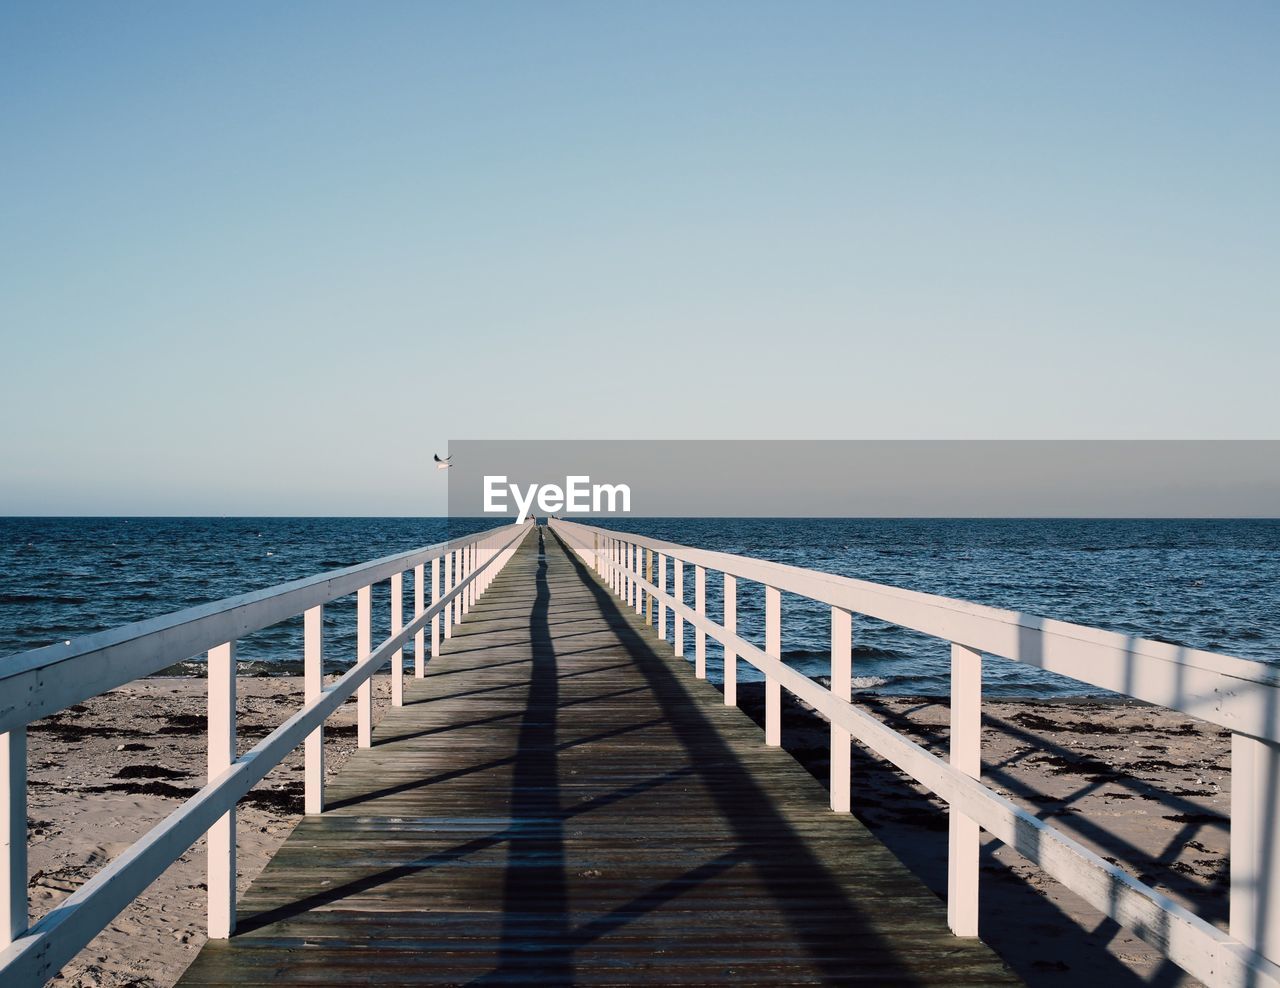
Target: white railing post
column 772, row 646
column 459, row 573
column 435, row 596
column 460, row 580
column 13, row 835
column 730, row 625
column 419, row 606
column 639, row 559
column 1254, row 917
column 633, row 572
column 222, row 753
column 364, row 648
column 648, row 594
column 595, row 549
column 699, row 635
column 468, row 567
column 448, row 585
column 677, row 621
column 662, row 606
column 397, row 624
column 648, row 601
column 313, row 686
column 966, row 755
column 841, row 689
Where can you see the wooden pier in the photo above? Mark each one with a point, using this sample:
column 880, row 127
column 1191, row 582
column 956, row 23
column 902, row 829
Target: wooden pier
column 556, row 795
column 561, row 801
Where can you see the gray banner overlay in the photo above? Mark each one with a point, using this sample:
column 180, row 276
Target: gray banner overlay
column 864, row 478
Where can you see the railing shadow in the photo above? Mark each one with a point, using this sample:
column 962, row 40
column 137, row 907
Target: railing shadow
column 535, row 900
column 765, row 840
column 1147, row 863
column 1015, row 919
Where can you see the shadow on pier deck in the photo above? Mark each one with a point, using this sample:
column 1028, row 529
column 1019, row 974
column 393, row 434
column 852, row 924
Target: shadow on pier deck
column 560, row 801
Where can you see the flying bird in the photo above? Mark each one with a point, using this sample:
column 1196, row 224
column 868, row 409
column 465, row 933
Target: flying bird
column 443, row 464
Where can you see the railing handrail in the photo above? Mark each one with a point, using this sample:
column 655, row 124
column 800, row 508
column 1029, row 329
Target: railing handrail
column 31, row 955
column 42, row 681
column 1235, row 693
column 1240, row 957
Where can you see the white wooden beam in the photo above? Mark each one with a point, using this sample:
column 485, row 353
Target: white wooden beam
column 772, row 646
column 397, row 622
column 1255, row 845
column 313, row 686
column 661, row 601
column 419, row 605
column 841, row 689
column 966, row 756
column 13, row 835
column 699, row 635
column 677, row 622
column 222, row 754
column 435, row 597
column 730, row 595
column 364, row 640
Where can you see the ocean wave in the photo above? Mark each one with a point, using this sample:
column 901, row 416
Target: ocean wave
column 32, row 598
column 859, row 652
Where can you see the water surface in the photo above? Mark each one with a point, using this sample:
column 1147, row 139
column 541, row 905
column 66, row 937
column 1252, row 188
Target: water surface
column 1205, row 584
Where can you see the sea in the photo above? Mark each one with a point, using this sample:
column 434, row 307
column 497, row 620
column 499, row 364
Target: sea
column 1211, row 584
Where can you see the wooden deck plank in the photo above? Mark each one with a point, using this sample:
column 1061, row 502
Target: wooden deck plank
column 561, row 801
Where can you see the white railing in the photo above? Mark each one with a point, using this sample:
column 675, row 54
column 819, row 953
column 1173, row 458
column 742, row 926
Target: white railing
column 1233, row 693
column 43, row 681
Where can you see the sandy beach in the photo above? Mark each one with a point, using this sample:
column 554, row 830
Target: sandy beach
column 1142, row 786
column 103, row 772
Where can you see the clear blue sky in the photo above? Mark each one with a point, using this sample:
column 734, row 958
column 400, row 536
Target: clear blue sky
column 265, row 258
